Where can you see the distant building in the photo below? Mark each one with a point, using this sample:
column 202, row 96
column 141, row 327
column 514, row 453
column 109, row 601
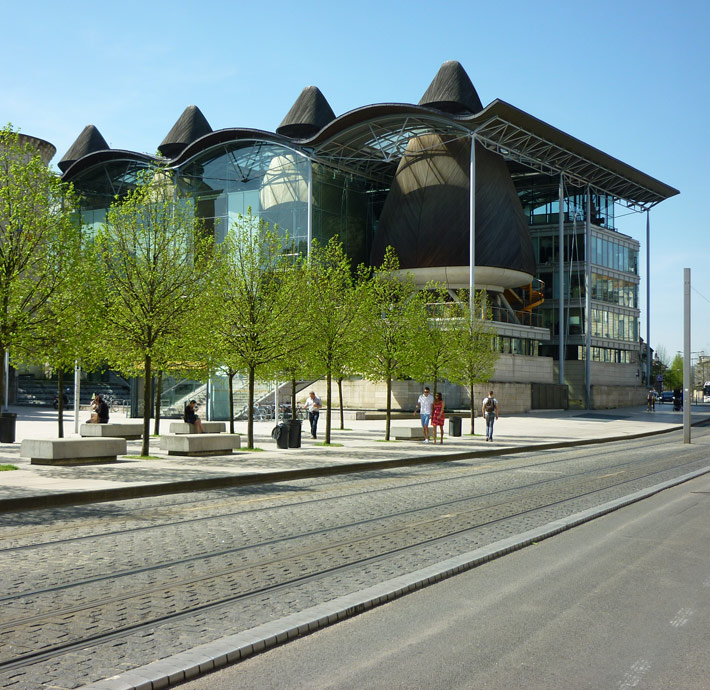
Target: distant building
column 434, row 180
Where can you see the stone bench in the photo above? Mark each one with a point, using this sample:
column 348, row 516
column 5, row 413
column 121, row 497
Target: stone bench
column 72, row 451
column 200, row 444
column 127, row 430
column 207, row 427
column 407, row 433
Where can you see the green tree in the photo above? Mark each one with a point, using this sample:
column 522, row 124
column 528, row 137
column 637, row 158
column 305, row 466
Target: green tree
column 334, row 308
column 394, row 312
column 70, row 332
column 433, row 343
column 38, row 234
column 254, row 296
column 154, row 257
column 472, row 346
column 674, row 374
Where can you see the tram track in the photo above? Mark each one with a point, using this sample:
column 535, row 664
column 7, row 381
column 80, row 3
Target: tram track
column 299, row 564
column 206, row 555
column 318, row 486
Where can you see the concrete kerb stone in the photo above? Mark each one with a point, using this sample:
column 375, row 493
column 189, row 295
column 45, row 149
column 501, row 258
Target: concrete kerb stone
column 237, row 647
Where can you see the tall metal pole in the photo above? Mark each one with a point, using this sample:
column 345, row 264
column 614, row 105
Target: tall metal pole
column 560, row 282
column 309, row 213
column 588, row 301
column 686, row 356
column 649, row 383
column 77, row 396
column 472, row 226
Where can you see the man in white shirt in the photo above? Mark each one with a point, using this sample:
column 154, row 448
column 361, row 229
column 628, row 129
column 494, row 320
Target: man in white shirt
column 313, row 405
column 425, row 405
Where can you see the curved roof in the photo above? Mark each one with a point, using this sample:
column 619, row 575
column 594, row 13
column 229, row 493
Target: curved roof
column 105, row 156
column 371, row 140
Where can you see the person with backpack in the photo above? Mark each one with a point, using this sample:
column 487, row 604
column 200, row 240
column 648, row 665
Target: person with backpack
column 490, row 413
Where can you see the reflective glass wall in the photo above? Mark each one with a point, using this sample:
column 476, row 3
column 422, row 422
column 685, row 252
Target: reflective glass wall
column 234, row 179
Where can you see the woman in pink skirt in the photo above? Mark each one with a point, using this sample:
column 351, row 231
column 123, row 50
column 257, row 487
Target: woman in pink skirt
column 437, row 416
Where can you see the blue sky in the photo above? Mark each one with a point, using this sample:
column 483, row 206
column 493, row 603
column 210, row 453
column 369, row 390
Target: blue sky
column 628, row 77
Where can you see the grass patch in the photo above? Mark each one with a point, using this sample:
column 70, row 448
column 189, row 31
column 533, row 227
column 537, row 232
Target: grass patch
column 332, row 445
column 250, row 450
column 143, row 457
column 7, row 468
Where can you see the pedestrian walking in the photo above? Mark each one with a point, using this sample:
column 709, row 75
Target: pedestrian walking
column 490, row 413
column 425, row 406
column 437, row 417
column 313, row 406
column 651, row 400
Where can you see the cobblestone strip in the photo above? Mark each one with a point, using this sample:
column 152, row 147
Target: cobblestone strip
column 226, row 650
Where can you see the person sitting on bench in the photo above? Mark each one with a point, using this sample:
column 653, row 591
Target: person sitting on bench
column 190, row 416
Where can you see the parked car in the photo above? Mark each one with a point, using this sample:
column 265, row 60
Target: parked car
column 667, row 396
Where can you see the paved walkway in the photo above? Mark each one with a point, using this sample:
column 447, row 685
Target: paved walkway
column 360, row 446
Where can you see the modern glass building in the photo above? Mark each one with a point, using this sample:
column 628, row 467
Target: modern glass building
column 468, row 195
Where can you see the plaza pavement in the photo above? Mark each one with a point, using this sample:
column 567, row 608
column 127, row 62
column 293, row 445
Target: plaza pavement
column 359, row 447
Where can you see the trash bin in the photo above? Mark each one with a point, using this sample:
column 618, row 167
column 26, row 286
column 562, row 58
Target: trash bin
column 294, row 433
column 280, row 435
column 454, row 426
column 7, row 427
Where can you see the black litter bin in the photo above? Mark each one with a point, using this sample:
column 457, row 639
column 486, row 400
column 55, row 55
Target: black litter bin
column 454, row 426
column 7, row 427
column 294, row 433
column 280, row 435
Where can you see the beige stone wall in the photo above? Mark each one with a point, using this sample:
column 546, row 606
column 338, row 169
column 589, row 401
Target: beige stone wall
column 524, row 369
column 616, row 385
column 359, row 394
column 611, row 397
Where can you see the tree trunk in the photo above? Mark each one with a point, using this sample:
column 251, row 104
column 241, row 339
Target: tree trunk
column 250, row 412
column 230, row 378
column 3, row 402
column 60, row 403
column 158, row 394
column 147, row 399
column 329, row 381
column 388, row 415
column 340, row 395
column 473, row 408
column 293, row 399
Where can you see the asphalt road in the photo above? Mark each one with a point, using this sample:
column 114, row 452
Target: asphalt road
column 618, row 603
column 92, row 591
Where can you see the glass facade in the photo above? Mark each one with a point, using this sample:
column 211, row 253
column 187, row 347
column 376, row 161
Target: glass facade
column 268, row 180
column 613, row 284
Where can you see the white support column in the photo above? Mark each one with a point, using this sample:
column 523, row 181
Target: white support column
column 686, row 356
column 560, row 282
column 588, row 300
column 77, row 397
column 472, row 226
column 649, row 383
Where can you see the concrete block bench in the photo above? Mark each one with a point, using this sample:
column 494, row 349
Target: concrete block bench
column 200, row 444
column 207, row 427
column 72, row 451
column 407, row 433
column 127, row 430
